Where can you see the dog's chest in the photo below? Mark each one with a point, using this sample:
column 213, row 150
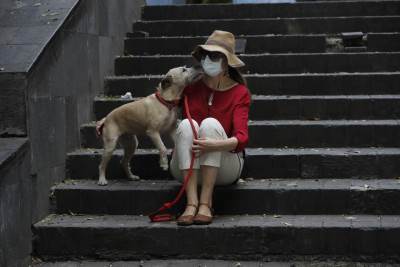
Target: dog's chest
column 169, row 119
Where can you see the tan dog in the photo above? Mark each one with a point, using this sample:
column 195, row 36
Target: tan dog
column 151, row 116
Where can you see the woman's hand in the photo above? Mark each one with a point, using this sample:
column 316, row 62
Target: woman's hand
column 202, row 145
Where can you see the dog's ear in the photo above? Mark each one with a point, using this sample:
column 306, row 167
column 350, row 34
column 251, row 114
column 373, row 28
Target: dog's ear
column 166, row 82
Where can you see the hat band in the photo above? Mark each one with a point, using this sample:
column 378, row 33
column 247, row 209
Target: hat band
column 216, row 42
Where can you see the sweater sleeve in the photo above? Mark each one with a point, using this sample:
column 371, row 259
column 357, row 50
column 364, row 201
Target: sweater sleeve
column 240, row 121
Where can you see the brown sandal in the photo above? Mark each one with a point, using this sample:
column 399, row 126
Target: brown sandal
column 203, row 219
column 185, row 220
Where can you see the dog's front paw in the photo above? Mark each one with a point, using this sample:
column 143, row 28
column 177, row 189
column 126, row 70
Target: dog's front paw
column 164, row 167
column 133, row 177
column 102, row 182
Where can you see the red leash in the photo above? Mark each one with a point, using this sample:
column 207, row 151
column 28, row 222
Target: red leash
column 155, row 216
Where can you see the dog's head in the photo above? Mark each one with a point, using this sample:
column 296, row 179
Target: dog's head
column 177, row 79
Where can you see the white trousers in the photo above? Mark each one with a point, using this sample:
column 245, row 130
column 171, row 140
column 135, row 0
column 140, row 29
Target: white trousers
column 229, row 164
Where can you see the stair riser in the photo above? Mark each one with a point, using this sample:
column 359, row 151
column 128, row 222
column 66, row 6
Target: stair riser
column 242, row 243
column 376, row 42
column 256, row 201
column 268, row 44
column 273, row 166
column 270, row 26
column 90, row 140
column 272, row 64
column 383, row 42
column 324, row 136
column 334, row 84
column 300, row 109
column 324, row 9
column 295, row 136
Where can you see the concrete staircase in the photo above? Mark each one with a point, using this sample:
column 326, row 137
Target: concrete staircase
column 321, row 172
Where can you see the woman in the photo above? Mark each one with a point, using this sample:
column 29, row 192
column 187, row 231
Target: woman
column 219, row 105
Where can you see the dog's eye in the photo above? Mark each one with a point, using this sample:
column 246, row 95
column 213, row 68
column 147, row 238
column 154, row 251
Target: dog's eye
column 183, row 69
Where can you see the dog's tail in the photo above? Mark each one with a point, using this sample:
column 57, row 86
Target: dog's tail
column 99, row 126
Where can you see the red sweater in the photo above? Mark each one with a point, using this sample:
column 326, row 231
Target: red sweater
column 230, row 108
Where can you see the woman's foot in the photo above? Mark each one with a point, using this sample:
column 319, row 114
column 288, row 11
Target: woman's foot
column 187, row 216
column 204, row 215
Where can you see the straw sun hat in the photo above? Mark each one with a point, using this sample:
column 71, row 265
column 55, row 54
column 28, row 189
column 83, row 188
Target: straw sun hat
column 220, row 41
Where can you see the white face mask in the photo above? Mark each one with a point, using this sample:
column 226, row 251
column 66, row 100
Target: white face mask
column 211, row 68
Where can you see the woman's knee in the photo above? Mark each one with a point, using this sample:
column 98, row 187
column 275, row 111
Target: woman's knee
column 185, row 129
column 210, row 127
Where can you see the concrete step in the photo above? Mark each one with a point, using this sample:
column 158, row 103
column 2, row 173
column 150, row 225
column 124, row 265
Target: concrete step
column 270, row 25
column 310, row 43
column 267, row 196
column 297, row 133
column 348, row 162
column 254, row 44
column 270, row 63
column 383, row 42
column 378, row 83
column 298, row 107
column 277, row 10
column 235, row 237
column 205, row 263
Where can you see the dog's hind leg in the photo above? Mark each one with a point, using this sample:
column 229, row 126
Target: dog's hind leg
column 130, row 144
column 110, row 142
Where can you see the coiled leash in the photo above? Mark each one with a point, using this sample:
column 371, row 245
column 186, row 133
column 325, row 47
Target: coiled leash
column 156, row 216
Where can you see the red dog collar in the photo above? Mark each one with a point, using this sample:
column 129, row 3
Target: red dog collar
column 169, row 104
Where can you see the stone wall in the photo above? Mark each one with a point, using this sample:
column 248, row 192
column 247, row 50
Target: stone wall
column 15, row 202
column 51, row 68
column 63, row 83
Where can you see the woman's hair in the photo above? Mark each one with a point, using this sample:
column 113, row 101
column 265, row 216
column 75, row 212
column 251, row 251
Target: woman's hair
column 236, row 76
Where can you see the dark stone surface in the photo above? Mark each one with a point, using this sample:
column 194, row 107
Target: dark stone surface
column 299, row 107
column 383, row 41
column 273, row 64
column 25, row 39
column 295, row 133
column 282, row 10
column 214, row 263
column 60, row 84
column 13, row 106
column 280, row 84
column 89, row 139
column 15, row 202
column 349, row 162
column 255, row 237
column 318, row 9
column 254, row 44
column 271, row 26
column 265, row 196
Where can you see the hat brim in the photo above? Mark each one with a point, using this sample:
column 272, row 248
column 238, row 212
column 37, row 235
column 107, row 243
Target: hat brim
column 233, row 60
